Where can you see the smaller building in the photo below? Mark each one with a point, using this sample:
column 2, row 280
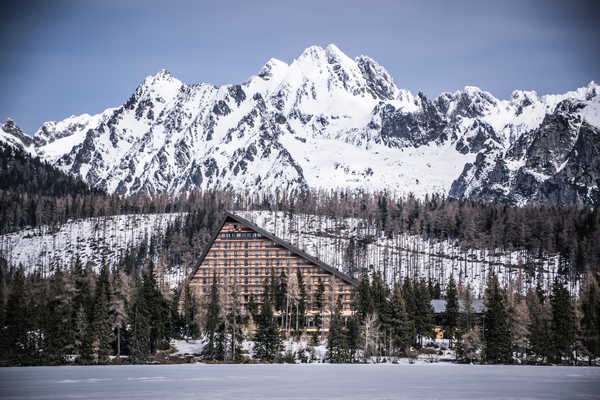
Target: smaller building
column 439, row 309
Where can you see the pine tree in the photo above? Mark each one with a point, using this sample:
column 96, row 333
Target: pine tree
column 452, row 311
column 337, row 348
column 562, row 328
column 213, row 321
column 590, row 321
column 496, row 332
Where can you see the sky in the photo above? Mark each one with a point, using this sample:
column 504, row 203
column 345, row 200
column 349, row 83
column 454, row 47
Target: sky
column 63, row 58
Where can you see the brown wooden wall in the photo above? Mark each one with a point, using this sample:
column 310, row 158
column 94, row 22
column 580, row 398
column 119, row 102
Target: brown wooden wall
column 243, row 257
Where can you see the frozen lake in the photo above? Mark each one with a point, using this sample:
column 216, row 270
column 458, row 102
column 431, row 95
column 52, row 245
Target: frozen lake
column 315, row 381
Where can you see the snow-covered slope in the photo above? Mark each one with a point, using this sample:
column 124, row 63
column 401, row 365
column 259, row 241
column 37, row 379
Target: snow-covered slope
column 91, row 239
column 350, row 244
column 323, row 121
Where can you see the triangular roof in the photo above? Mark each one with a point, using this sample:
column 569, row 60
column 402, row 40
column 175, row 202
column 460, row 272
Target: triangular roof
column 232, row 217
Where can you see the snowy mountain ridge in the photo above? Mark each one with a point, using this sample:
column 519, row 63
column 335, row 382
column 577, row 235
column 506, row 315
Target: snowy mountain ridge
column 328, row 121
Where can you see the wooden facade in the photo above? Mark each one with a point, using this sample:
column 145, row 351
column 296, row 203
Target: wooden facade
column 244, row 255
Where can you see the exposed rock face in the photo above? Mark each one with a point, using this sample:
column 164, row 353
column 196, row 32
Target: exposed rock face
column 330, row 121
column 557, row 163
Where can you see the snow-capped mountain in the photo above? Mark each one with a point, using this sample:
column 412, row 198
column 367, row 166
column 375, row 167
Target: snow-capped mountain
column 328, row 121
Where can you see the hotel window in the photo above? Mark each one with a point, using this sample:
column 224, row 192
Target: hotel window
column 203, row 290
column 246, row 245
column 268, row 261
column 246, row 262
column 216, row 245
column 205, row 271
column 225, row 262
column 235, row 261
column 225, row 245
column 204, row 281
column 245, row 289
column 246, row 253
column 340, row 288
column 257, row 271
column 246, row 281
column 224, row 254
column 267, row 253
column 206, row 262
column 246, row 271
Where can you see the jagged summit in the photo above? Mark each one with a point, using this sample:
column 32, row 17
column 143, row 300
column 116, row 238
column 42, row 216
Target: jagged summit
column 326, row 120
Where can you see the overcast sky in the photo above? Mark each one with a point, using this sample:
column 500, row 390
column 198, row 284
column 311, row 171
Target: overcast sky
column 61, row 58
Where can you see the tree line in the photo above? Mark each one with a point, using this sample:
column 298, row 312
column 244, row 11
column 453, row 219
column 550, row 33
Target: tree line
column 79, row 315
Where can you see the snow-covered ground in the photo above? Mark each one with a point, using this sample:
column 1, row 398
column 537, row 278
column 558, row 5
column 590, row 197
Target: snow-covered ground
column 90, row 238
column 306, row 381
column 330, row 239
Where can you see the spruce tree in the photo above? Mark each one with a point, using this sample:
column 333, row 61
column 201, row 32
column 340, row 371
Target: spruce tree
column 590, row 321
column 213, row 321
column 401, row 331
column 423, row 311
column 337, row 348
column 299, row 311
column 18, row 321
column 452, row 311
column 139, row 321
column 59, row 332
column 563, row 326
column 234, row 323
column 363, row 297
column 158, row 310
column 539, row 325
column 466, row 318
column 267, row 339
column 318, row 308
column 496, row 332
column 281, row 292
column 408, row 293
column 100, row 326
column 353, row 337
column 190, row 311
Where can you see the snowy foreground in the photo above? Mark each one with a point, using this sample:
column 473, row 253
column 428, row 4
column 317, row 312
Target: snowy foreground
column 314, row 381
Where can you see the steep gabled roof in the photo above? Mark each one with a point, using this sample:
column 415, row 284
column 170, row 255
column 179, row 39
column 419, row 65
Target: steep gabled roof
column 236, row 218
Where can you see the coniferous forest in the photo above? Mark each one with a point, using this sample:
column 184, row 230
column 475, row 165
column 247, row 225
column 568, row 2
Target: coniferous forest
column 122, row 310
